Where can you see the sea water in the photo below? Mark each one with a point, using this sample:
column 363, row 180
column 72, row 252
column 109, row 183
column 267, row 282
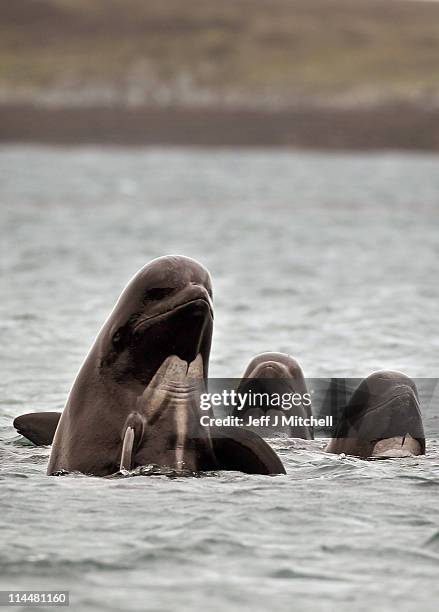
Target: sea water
column 329, row 257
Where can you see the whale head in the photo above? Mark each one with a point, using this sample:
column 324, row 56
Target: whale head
column 166, row 309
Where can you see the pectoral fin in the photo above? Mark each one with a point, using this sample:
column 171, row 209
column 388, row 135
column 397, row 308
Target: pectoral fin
column 38, row 427
column 242, row 450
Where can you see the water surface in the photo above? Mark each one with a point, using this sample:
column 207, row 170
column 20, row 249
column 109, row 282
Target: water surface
column 331, row 258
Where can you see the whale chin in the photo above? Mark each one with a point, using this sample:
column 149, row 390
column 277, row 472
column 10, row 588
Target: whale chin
column 165, row 426
column 397, row 447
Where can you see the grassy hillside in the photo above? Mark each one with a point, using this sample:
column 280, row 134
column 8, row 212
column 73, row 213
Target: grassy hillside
column 260, row 53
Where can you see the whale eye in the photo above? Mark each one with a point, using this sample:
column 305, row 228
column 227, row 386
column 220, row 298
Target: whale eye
column 157, row 293
column 117, row 339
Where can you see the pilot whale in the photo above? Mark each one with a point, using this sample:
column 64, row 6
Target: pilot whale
column 277, row 374
column 135, row 400
column 382, row 419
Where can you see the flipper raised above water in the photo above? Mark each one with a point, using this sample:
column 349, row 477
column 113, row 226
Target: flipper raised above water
column 242, row 450
column 38, row 427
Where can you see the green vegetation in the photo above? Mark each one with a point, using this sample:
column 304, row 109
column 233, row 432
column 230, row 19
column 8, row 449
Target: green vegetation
column 250, row 51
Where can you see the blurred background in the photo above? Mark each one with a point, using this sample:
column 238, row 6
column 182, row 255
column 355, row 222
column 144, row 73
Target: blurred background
column 311, row 73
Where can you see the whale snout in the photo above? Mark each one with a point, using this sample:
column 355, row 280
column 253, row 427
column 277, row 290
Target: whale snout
column 194, row 299
column 269, row 369
column 197, row 298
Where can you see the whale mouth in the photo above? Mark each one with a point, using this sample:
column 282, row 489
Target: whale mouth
column 270, row 369
column 201, row 306
column 184, row 330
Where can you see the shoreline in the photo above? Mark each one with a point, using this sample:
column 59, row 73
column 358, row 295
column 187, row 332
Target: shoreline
column 399, row 126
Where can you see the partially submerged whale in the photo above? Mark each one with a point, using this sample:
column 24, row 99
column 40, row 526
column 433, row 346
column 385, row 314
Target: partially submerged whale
column 135, row 400
column 271, row 375
column 382, row 419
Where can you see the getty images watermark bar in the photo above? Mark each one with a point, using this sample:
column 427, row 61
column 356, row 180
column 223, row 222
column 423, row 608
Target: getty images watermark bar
column 321, row 405
column 34, row 598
